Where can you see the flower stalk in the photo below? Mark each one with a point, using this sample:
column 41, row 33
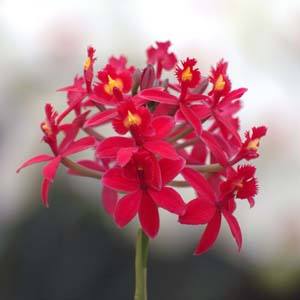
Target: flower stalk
column 141, row 256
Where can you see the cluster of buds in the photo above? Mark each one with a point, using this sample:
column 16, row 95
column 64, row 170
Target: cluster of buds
column 164, row 132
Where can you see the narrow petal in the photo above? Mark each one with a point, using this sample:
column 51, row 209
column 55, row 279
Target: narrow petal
column 168, row 199
column 161, row 148
column 234, row 227
column 109, row 147
column 209, row 235
column 109, row 200
column 214, row 147
column 101, row 118
column 45, row 190
column 80, row 145
column 127, row 207
column 192, row 118
column 50, row 169
column 227, row 123
column 34, row 160
column 148, row 215
column 199, row 183
column 235, row 94
column 158, row 95
column 170, row 168
column 198, row 212
column 115, row 179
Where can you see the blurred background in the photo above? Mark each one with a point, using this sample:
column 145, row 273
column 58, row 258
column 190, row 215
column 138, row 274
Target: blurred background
column 73, row 250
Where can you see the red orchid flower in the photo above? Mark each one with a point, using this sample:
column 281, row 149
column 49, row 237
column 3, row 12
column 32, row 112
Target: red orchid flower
column 66, row 147
column 161, row 57
column 208, row 208
column 241, row 183
column 144, row 178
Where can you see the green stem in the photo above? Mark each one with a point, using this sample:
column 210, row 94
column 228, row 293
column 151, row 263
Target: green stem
column 141, row 255
column 181, row 135
column 83, row 171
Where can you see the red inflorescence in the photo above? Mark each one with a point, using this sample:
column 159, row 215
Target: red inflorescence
column 159, row 136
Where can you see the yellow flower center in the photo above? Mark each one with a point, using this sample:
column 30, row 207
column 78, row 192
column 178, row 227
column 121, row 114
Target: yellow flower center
column 132, row 119
column 87, row 64
column 112, row 83
column 219, row 84
column 187, row 74
column 46, row 128
column 253, row 145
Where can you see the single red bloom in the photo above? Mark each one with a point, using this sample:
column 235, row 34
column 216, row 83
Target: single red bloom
column 145, row 179
column 241, row 183
column 50, row 127
column 66, row 147
column 88, row 68
column 249, row 148
column 161, row 57
column 132, row 118
column 251, row 144
column 113, row 83
column 187, row 75
column 208, row 208
column 220, row 80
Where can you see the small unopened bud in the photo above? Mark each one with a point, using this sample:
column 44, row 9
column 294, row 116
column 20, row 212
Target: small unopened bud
column 165, row 84
column 201, row 87
column 147, row 78
column 136, row 79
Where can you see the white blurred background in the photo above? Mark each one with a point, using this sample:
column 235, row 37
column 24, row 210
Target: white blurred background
column 43, row 45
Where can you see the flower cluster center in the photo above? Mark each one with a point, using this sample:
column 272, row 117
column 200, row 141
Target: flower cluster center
column 112, row 83
column 132, row 119
column 87, row 63
column 187, row 74
column 253, row 145
column 219, row 84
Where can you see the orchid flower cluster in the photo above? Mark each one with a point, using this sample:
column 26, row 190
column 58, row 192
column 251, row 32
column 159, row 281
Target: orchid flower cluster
column 168, row 134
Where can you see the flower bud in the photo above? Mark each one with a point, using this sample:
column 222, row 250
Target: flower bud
column 147, row 78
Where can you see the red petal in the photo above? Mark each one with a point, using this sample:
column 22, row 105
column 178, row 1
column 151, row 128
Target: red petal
column 192, row 118
column 148, row 215
column 162, row 126
column 127, row 207
column 170, row 169
column 50, row 169
column 124, row 155
column 101, row 118
column 234, row 227
column 198, row 212
column 45, row 190
column 199, row 183
column 109, row 147
column 80, row 145
column 209, row 235
column 161, row 148
column 109, row 200
column 214, row 147
column 226, row 122
column 236, row 94
column 115, row 179
column 168, row 199
column 158, row 95
column 200, row 110
column 34, row 160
